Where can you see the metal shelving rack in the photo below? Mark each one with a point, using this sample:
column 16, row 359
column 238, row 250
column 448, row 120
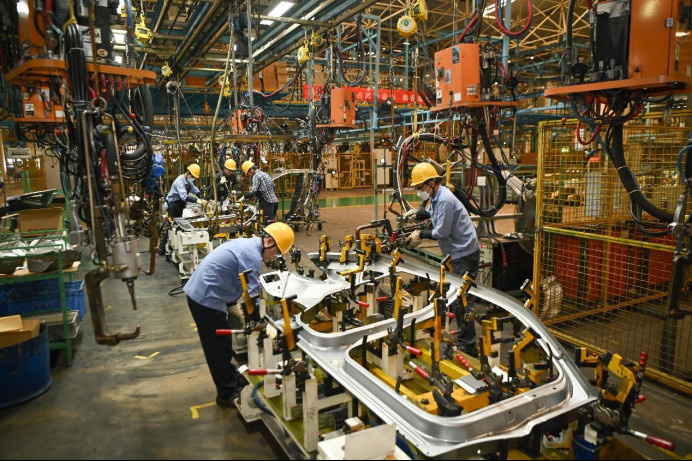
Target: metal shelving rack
column 23, row 275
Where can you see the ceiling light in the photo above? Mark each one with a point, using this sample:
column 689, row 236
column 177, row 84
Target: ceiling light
column 277, row 12
column 490, row 10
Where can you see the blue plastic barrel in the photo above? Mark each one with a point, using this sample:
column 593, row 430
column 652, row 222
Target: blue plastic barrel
column 25, row 370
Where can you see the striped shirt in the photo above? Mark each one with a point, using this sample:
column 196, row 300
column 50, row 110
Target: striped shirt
column 263, row 186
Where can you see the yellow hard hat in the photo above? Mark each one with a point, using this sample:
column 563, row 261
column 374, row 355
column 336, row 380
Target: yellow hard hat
column 246, row 166
column 423, row 172
column 230, row 164
column 194, row 170
column 282, row 234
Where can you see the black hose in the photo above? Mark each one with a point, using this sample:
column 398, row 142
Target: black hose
column 613, row 147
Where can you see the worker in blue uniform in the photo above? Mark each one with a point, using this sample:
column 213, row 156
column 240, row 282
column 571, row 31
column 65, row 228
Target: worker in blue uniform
column 179, row 194
column 455, row 234
column 181, row 191
column 215, row 286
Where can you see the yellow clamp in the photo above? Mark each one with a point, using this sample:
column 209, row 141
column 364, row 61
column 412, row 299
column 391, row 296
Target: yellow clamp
column 468, row 283
column 397, row 298
column 527, row 288
column 288, row 329
column 345, row 248
column 396, row 256
column 249, row 304
column 325, row 247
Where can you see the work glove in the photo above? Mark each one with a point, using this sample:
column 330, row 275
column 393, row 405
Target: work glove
column 241, row 199
column 413, row 240
column 410, row 215
column 223, row 180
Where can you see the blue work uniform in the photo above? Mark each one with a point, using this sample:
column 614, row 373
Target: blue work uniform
column 456, row 236
column 213, row 286
column 215, row 283
column 179, row 194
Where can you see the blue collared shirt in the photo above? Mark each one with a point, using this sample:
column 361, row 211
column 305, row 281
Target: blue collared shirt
column 452, row 226
column 180, row 190
column 215, row 283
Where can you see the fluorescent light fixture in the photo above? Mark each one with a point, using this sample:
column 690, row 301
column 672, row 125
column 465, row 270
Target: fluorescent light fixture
column 277, row 12
column 23, row 9
column 490, row 10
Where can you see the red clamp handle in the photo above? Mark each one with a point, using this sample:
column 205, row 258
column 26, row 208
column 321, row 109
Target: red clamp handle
column 453, row 332
column 224, row 332
column 451, row 315
column 643, row 357
column 363, row 304
column 257, row 371
column 393, row 237
column 659, row 442
column 382, row 299
column 640, row 399
column 423, row 374
column 464, row 362
column 413, row 350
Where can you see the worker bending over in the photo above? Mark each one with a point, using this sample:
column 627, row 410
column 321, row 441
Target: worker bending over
column 215, row 286
column 225, row 180
column 181, row 191
column 454, row 232
column 263, row 188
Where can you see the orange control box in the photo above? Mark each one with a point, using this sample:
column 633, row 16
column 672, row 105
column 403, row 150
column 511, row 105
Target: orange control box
column 37, row 107
column 457, row 76
column 343, row 109
column 660, row 39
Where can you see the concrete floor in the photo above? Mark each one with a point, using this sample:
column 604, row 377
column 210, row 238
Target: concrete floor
column 152, row 398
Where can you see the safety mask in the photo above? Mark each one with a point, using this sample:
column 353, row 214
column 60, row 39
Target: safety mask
column 423, row 195
column 191, row 180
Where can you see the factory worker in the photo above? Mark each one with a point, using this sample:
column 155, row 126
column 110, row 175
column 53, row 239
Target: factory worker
column 181, row 191
column 454, row 232
column 225, row 180
column 215, row 285
column 263, row 188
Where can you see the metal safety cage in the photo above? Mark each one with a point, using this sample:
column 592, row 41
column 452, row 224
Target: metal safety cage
column 601, row 269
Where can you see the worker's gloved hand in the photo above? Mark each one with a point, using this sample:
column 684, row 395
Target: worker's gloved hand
column 410, row 215
column 223, row 180
column 413, row 240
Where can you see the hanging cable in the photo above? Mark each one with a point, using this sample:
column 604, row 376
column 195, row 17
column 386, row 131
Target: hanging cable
column 499, row 18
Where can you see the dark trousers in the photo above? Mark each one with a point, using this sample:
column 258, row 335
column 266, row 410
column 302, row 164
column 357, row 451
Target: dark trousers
column 268, row 209
column 218, row 350
column 175, row 210
column 466, row 339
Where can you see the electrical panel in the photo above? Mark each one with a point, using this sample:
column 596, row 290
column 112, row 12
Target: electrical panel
column 341, row 105
column 38, row 106
column 639, row 39
column 457, row 76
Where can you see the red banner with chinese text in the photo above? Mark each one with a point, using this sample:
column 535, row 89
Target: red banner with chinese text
column 368, row 94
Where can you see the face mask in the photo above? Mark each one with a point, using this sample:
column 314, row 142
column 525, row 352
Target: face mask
column 191, row 180
column 423, row 195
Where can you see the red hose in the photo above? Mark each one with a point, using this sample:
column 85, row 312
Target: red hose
column 498, row 15
column 473, row 20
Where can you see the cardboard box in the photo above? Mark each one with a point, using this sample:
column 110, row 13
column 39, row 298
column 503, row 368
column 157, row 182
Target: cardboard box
column 11, row 323
column 30, row 329
column 31, row 221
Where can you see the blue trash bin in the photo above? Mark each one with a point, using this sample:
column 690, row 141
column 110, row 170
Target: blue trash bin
column 25, row 370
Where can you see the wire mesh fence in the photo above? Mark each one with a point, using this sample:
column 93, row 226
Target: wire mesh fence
column 603, row 270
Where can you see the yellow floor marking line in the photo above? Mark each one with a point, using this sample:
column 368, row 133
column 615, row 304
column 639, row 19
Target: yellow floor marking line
column 141, row 357
column 195, row 409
